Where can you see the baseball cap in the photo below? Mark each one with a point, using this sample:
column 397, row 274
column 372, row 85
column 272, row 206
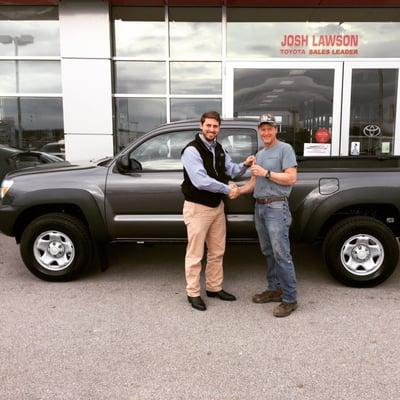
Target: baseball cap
column 267, row 119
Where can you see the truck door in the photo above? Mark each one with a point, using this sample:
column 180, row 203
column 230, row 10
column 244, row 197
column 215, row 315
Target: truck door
column 147, row 204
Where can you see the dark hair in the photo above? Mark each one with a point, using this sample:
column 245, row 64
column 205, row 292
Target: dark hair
column 212, row 115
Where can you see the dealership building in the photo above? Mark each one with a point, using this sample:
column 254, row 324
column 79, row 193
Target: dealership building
column 88, row 77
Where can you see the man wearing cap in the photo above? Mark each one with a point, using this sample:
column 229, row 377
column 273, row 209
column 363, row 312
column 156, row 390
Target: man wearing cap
column 273, row 175
column 206, row 170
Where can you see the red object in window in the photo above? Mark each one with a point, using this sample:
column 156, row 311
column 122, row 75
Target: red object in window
column 322, row 135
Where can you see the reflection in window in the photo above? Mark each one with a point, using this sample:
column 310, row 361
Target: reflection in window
column 136, row 116
column 55, row 148
column 27, row 122
column 195, row 32
column 15, row 159
column 301, row 100
column 239, row 143
column 8, row 82
column 140, row 77
column 139, row 32
column 193, row 108
column 30, row 77
column 29, row 31
column 372, row 111
column 163, row 152
column 30, row 123
column 196, row 78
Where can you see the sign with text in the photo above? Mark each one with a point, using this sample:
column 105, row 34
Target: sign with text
column 317, row 149
column 254, row 40
column 337, row 45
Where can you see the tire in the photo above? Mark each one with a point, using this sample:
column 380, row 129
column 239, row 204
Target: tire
column 56, row 247
column 361, row 251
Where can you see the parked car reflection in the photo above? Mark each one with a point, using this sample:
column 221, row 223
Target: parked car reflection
column 12, row 159
column 55, row 148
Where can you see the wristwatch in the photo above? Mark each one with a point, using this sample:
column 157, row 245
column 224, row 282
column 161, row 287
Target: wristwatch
column 268, row 174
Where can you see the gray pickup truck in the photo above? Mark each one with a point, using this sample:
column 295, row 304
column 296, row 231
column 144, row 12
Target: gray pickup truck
column 65, row 215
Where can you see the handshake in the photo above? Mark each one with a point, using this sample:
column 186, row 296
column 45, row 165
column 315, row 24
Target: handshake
column 234, row 191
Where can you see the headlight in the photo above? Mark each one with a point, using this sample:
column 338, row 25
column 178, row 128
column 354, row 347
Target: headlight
column 5, row 187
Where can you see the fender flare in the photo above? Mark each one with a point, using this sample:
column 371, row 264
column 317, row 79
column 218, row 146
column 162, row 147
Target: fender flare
column 63, row 198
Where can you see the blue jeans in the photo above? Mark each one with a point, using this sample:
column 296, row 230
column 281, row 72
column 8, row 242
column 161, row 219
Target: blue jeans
column 272, row 223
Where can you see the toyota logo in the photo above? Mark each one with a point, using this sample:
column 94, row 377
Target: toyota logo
column 372, row 130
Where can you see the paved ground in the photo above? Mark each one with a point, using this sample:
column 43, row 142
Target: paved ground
column 129, row 333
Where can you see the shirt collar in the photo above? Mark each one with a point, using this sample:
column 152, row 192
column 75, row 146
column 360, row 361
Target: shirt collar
column 208, row 144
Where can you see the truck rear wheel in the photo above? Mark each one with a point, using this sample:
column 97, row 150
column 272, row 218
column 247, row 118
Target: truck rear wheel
column 361, row 251
column 56, row 247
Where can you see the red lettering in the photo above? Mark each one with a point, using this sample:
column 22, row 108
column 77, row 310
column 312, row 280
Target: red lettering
column 294, row 40
column 335, row 41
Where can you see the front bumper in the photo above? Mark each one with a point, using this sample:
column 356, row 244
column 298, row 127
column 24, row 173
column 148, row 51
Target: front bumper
column 8, row 217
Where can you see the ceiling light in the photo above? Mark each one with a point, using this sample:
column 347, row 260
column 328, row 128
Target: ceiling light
column 297, row 72
column 286, row 83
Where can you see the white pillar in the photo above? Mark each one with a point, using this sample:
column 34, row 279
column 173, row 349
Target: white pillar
column 86, row 79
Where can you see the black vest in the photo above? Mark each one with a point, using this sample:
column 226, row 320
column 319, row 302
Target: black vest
column 205, row 197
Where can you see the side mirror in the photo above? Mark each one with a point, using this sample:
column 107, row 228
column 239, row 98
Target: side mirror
column 136, row 166
column 123, row 164
column 126, row 164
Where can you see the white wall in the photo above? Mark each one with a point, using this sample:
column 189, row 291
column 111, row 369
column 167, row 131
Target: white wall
column 86, row 78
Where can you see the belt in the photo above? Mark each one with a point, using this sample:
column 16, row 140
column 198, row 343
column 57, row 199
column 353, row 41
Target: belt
column 270, row 199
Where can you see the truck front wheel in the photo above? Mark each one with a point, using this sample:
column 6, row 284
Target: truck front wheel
column 56, row 247
column 361, row 251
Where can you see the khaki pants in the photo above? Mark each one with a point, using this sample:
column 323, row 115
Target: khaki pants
column 204, row 225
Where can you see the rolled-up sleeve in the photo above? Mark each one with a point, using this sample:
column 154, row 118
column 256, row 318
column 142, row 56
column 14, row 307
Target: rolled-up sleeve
column 193, row 164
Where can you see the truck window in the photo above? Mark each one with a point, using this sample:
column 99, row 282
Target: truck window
column 239, row 143
column 163, row 152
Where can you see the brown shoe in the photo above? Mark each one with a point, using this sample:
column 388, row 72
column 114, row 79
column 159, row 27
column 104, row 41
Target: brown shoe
column 268, row 296
column 284, row 309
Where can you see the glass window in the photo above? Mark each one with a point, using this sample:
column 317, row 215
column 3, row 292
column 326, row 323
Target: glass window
column 139, row 32
column 373, row 111
column 332, row 32
column 30, row 77
column 39, row 76
column 8, row 78
column 136, row 116
column 301, row 100
column 163, row 152
column 30, row 123
column 140, row 77
column 195, row 78
column 29, row 31
column 239, row 143
column 195, row 32
column 193, row 108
